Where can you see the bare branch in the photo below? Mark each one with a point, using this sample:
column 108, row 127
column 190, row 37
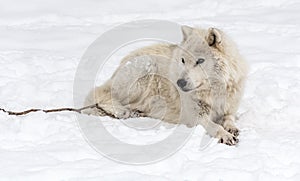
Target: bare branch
column 60, row 110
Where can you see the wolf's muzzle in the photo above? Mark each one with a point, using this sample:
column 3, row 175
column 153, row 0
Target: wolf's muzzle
column 181, row 83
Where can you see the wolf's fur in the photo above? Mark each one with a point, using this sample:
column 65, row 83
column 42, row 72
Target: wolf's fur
column 211, row 89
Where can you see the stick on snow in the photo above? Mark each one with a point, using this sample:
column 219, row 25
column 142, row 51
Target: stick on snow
column 79, row 110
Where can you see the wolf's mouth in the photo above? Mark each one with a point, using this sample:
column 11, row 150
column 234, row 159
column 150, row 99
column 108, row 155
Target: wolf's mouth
column 185, row 89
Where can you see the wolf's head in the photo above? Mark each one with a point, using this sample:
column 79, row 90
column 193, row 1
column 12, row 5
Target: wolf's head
column 198, row 55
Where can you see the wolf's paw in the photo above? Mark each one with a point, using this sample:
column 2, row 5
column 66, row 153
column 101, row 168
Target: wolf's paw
column 229, row 126
column 93, row 111
column 228, row 139
column 122, row 113
column 233, row 130
column 136, row 114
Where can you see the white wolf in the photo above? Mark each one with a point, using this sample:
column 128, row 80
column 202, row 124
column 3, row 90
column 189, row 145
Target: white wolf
column 207, row 68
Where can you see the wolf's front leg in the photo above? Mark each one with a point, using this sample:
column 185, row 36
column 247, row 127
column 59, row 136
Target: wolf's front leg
column 217, row 131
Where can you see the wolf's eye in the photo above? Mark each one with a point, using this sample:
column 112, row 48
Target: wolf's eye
column 199, row 61
column 182, row 60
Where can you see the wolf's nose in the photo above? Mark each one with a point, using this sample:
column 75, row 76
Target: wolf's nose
column 181, row 83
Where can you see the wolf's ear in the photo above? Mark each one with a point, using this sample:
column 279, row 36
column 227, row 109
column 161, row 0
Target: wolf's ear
column 186, row 31
column 214, row 37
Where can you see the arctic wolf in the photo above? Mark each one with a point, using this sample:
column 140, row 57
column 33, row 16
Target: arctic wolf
column 199, row 81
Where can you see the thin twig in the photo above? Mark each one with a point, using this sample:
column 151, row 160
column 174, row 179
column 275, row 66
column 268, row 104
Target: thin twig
column 60, row 110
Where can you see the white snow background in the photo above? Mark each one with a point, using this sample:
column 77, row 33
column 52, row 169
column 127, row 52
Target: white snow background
column 41, row 43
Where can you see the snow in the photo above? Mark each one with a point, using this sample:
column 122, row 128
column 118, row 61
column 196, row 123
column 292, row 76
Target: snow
column 41, row 43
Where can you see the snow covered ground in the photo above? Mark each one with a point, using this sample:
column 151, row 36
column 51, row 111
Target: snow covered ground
column 41, row 43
